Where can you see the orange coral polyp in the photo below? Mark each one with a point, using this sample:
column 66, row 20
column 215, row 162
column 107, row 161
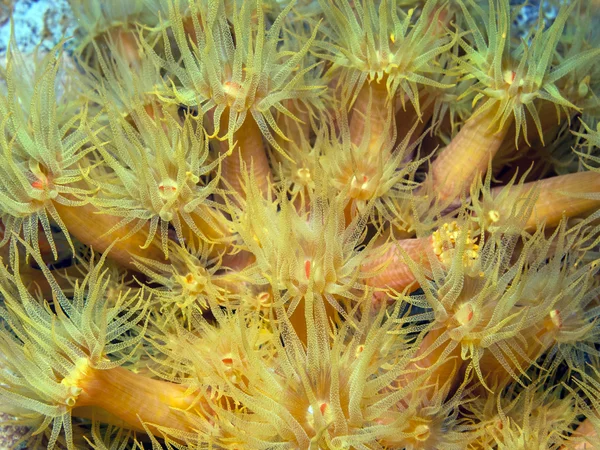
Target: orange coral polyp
column 335, row 277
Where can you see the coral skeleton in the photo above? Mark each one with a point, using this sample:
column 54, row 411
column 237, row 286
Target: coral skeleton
column 332, row 224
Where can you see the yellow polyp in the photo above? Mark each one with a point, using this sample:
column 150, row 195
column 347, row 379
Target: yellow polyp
column 325, row 411
column 80, row 371
column 304, row 175
column 74, row 380
column 361, row 188
column 555, row 318
column 264, row 300
column 464, row 314
column 444, row 242
column 44, row 190
column 422, row 433
column 553, row 321
column 494, row 215
column 194, row 284
column 167, row 189
column 339, row 274
column 509, row 76
column 233, row 91
column 359, row 349
column 41, row 183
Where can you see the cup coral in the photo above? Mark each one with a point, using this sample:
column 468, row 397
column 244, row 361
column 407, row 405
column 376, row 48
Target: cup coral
column 368, row 224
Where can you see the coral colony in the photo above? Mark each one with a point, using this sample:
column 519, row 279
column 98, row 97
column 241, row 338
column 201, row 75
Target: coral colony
column 333, row 224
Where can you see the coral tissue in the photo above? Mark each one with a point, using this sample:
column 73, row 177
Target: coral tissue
column 324, row 224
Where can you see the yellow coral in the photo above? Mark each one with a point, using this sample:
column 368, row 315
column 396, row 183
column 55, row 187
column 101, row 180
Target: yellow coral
column 324, row 224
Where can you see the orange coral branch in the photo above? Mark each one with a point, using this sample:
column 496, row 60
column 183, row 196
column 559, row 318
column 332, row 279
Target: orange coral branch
column 91, row 228
column 136, row 399
column 467, row 156
column 426, row 357
column 373, row 118
column 249, row 150
column 560, row 196
column 397, row 274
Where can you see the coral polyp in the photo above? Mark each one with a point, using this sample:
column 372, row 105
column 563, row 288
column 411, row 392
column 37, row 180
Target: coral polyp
column 368, row 224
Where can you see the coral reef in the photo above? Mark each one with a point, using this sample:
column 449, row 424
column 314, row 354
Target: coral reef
column 341, row 224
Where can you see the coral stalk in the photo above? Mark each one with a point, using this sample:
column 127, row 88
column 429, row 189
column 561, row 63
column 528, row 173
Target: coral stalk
column 137, row 400
column 100, row 231
column 397, row 275
column 559, row 197
column 371, row 114
column 467, row 156
column 247, row 154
